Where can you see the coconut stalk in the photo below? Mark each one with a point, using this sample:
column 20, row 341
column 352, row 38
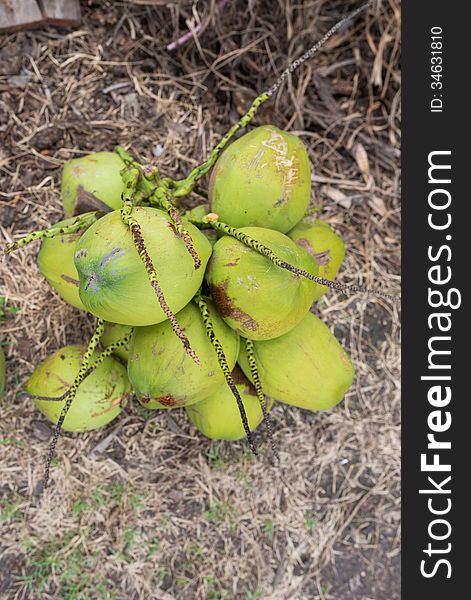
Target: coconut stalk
column 158, row 192
column 261, row 396
column 72, row 392
column 183, row 188
column 131, row 178
column 79, row 223
column 212, row 220
column 203, row 307
column 108, row 351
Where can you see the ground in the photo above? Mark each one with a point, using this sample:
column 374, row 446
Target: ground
column 156, row 511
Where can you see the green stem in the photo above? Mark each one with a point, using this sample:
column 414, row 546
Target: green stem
column 313, row 49
column 131, row 179
column 261, row 395
column 112, row 347
column 187, row 185
column 161, row 198
column 312, row 210
column 203, row 307
column 265, row 251
column 80, row 222
column 184, row 187
column 146, row 178
column 157, row 191
column 124, row 156
column 72, row 392
column 106, row 352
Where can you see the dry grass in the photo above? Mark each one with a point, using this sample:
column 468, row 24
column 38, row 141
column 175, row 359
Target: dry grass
column 162, row 513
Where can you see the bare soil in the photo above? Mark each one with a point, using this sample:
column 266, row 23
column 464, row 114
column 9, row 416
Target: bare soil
column 159, row 512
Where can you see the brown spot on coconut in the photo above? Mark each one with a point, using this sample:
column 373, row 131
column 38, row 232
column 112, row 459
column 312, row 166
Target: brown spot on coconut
column 93, row 180
column 116, row 402
column 255, row 297
column 319, row 239
column 168, row 401
column 226, row 307
column 71, row 280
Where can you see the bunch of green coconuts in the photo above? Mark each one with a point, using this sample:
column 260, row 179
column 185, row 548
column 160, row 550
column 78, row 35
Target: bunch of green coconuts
column 261, row 185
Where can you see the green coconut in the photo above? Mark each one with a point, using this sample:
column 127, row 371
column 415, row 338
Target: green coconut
column 319, row 239
column 306, row 367
column 56, row 263
column 113, row 333
column 92, row 182
column 2, row 372
column 99, row 398
column 254, row 296
column 161, row 372
column 113, row 280
column 262, row 179
column 218, row 417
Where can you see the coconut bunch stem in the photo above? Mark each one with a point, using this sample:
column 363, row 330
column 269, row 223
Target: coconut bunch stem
column 343, row 23
column 158, row 192
column 131, row 177
column 249, row 241
column 142, row 186
column 203, row 307
column 313, row 211
column 187, row 185
column 142, row 182
column 261, row 395
column 161, row 194
column 79, row 223
column 111, row 348
column 71, row 394
column 124, row 156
